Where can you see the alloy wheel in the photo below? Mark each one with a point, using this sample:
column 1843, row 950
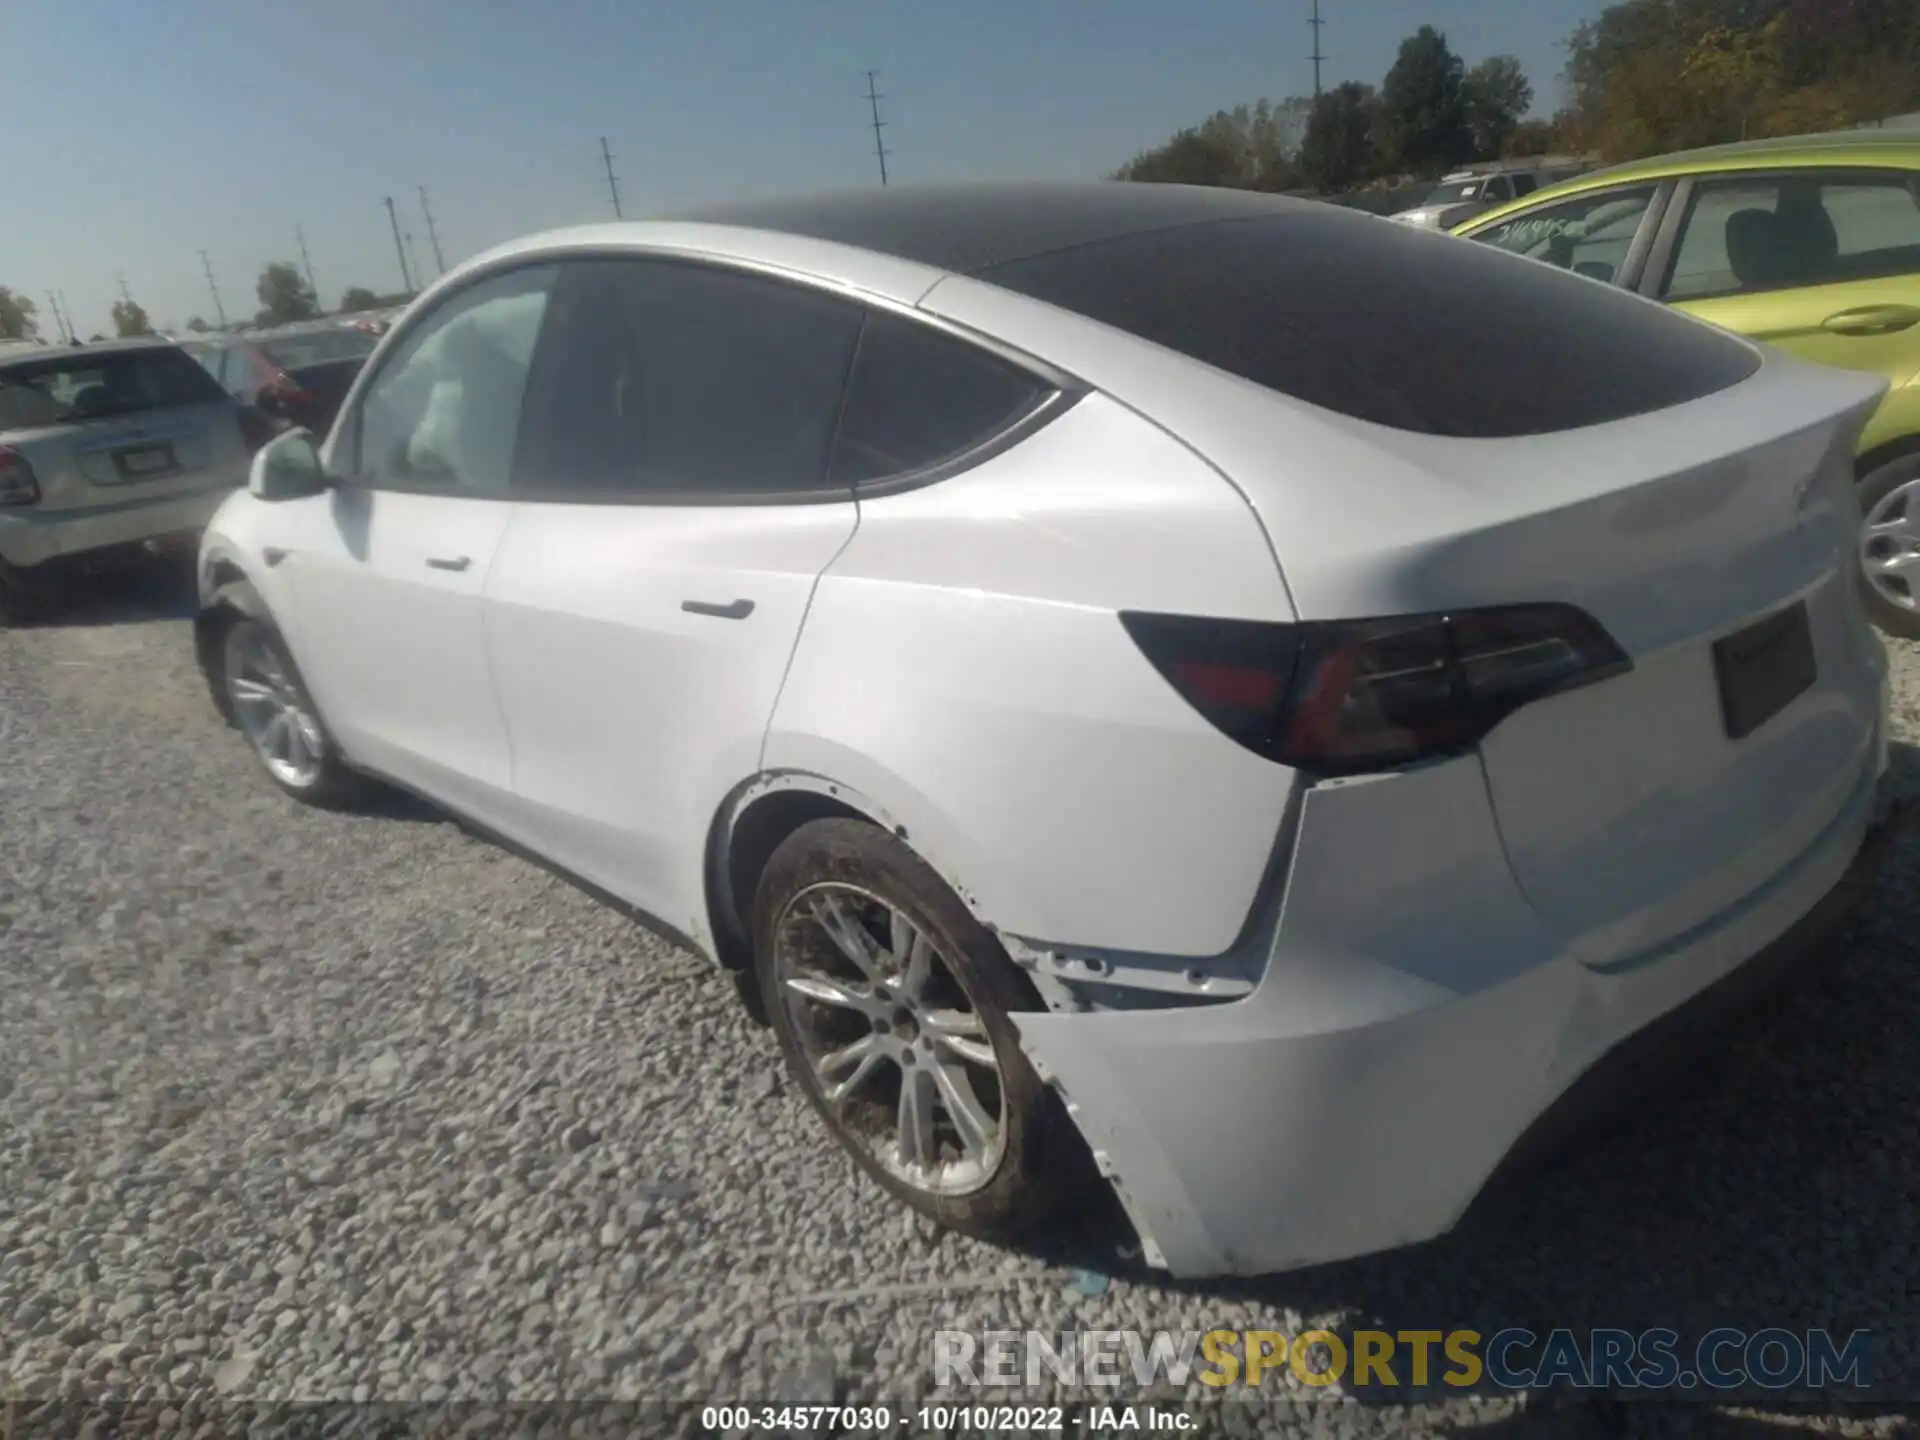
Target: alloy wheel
column 272, row 711
column 897, row 1048
column 1890, row 546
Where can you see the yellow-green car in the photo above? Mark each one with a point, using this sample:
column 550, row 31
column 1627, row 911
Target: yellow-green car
column 1810, row 243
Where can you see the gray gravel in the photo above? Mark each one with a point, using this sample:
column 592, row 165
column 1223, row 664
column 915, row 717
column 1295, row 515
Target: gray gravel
column 307, row 1106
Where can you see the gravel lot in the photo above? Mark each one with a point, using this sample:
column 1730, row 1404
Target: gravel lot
column 305, row 1106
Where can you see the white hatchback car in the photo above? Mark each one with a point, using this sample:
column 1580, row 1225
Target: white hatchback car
column 1275, row 693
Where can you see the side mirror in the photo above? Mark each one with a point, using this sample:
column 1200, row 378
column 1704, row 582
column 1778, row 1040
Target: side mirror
column 287, row 467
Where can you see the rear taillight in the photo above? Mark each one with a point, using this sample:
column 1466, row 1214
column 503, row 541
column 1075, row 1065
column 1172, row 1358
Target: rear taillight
column 1344, row 697
column 255, row 429
column 18, row 484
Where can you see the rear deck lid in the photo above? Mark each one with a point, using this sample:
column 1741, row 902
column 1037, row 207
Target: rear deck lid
column 107, row 426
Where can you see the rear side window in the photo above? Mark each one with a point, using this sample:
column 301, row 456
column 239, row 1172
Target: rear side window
column 665, row 379
column 98, row 386
column 919, row 398
column 1390, row 324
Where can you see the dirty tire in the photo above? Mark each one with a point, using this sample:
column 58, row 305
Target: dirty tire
column 1875, row 486
column 333, row 785
column 1035, row 1164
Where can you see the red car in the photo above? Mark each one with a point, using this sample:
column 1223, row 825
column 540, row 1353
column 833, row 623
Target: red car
column 299, row 373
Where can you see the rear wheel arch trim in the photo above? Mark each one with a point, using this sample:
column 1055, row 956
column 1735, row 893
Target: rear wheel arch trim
column 787, row 799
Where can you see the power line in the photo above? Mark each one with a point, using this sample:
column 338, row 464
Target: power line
column 219, row 310
column 1316, row 22
column 406, row 279
column 613, row 185
column 306, row 260
column 432, row 234
column 873, row 104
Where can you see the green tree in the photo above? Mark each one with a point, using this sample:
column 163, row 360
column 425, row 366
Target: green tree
column 129, row 319
column 197, row 325
column 1338, row 150
column 1423, row 106
column 284, row 295
column 357, row 298
column 16, row 316
column 1498, row 96
column 1245, row 147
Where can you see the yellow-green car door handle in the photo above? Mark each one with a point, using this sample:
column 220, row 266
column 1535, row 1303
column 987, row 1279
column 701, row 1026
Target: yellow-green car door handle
column 1873, row 320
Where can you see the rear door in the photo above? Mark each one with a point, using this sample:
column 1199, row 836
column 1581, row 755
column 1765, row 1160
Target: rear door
column 386, row 568
column 675, row 514
column 109, row 428
column 1824, row 264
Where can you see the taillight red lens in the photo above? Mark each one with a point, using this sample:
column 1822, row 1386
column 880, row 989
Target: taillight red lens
column 1345, row 697
column 18, row 484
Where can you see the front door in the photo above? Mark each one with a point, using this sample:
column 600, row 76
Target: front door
column 388, row 573
column 1824, row 265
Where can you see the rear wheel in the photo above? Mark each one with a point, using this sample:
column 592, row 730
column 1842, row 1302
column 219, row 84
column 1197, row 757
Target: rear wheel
column 272, row 708
column 891, row 1003
column 1890, row 545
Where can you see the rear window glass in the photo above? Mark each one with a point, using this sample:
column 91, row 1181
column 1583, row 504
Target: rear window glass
column 290, row 352
column 96, row 386
column 1390, row 324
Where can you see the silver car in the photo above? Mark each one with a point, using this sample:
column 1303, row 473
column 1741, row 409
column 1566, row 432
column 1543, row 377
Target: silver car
column 108, row 446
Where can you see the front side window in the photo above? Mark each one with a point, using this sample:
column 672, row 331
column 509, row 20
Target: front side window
column 1589, row 235
column 919, row 397
column 1755, row 233
column 444, row 411
column 662, row 378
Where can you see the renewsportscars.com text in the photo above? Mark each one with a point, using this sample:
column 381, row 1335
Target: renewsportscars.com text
column 1373, row 1360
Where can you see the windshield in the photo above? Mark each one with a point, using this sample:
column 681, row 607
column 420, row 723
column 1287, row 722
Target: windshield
column 1455, row 190
column 98, row 386
column 316, row 347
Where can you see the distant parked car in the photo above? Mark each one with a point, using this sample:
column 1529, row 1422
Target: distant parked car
column 107, row 447
column 1466, row 193
column 1811, row 243
column 298, row 373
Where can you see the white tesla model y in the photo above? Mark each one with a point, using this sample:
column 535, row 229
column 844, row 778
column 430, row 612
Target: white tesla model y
column 1268, row 694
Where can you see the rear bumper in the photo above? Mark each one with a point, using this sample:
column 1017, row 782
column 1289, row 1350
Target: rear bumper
column 29, row 538
column 1349, row 1106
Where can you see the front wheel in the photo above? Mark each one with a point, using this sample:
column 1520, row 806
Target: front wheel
column 891, row 1002
column 271, row 707
column 1890, row 546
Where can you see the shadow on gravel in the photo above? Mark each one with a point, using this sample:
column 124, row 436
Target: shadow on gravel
column 1771, row 1183
column 121, row 591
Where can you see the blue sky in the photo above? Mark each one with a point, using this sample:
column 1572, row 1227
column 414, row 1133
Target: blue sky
column 139, row 133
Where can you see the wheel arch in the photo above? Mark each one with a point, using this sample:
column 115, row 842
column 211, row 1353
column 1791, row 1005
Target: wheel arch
column 760, row 813
column 226, row 595
column 1885, row 454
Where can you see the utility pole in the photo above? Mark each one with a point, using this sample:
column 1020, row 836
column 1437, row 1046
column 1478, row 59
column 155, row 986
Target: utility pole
column 306, row 260
column 125, row 294
column 413, row 254
column 1316, row 22
column 873, row 104
column 613, row 185
column 406, row 280
column 219, row 310
column 432, row 234
column 66, row 312
column 60, row 326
